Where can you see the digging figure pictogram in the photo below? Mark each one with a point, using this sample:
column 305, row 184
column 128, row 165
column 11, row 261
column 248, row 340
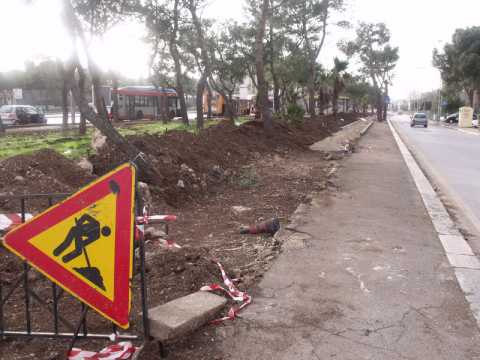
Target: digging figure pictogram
column 86, row 231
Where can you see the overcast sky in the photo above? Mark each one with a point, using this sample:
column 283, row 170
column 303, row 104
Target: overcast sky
column 417, row 26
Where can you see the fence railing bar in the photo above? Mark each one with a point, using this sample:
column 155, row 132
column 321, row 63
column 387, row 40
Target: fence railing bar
column 77, row 330
column 22, row 209
column 27, row 296
column 55, row 308
column 34, row 196
column 84, row 322
column 12, row 289
column 1, row 308
column 143, row 289
column 70, row 335
column 42, row 302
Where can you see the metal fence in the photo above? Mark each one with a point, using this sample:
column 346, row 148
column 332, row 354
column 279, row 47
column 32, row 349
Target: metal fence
column 80, row 328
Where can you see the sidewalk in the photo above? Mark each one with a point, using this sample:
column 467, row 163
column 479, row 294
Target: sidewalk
column 372, row 282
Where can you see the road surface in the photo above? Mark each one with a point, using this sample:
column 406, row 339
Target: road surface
column 452, row 158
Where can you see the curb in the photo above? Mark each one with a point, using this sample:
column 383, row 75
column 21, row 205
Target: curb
column 461, row 258
column 469, row 221
column 365, row 130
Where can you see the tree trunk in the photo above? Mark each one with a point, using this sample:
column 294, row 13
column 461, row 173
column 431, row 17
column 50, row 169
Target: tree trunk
column 2, row 128
column 82, row 130
column 305, row 102
column 471, row 95
column 321, row 99
column 335, row 99
column 264, row 107
column 179, row 82
column 98, row 120
column 209, row 101
column 384, row 103
column 199, row 101
column 178, row 65
column 65, row 91
column 379, row 106
column 192, row 6
column 72, row 109
column 115, row 99
column 276, row 86
column 311, row 91
column 230, row 112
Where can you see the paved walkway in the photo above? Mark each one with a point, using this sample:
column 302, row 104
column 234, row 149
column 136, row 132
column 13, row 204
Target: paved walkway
column 372, row 282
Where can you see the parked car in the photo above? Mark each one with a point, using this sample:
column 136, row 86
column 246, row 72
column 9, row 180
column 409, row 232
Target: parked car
column 21, row 115
column 453, row 118
column 419, row 119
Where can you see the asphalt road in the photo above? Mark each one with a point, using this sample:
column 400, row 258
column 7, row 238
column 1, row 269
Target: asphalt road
column 452, row 156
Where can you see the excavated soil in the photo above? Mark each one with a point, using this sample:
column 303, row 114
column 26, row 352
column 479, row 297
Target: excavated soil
column 223, row 166
column 216, row 149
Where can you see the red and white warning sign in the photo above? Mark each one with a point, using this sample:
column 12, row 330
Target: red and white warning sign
column 85, row 243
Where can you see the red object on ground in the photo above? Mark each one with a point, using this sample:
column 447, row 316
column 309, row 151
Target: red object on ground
column 266, row 227
column 120, row 351
column 236, row 295
column 153, row 219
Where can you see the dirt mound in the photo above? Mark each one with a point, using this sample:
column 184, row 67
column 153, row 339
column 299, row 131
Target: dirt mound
column 44, row 171
column 191, row 165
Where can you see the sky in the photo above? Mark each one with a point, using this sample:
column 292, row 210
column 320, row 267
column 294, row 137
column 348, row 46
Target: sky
column 417, row 27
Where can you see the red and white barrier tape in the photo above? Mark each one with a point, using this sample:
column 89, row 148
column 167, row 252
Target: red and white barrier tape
column 242, row 298
column 8, row 221
column 156, row 219
column 120, row 351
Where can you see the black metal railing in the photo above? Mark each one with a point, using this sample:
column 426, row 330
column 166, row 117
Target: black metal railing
column 80, row 328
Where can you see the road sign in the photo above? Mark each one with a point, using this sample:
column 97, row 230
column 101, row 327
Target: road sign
column 386, row 99
column 85, row 243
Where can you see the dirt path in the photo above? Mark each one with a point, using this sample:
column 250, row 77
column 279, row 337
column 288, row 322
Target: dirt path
column 372, row 281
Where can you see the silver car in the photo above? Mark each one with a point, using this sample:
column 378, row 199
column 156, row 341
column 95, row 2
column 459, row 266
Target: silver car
column 419, row 119
column 21, row 115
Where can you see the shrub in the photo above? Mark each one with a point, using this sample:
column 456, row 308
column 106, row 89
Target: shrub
column 295, row 114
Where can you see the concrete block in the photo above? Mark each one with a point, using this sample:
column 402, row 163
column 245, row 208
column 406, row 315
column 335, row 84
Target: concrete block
column 455, row 244
column 184, row 315
column 464, row 261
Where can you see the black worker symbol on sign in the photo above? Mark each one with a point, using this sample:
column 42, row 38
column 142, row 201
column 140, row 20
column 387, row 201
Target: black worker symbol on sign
column 86, row 231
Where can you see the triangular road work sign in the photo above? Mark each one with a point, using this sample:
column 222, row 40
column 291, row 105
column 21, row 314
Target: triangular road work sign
column 85, row 243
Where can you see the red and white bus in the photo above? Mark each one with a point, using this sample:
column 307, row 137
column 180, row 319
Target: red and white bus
column 146, row 102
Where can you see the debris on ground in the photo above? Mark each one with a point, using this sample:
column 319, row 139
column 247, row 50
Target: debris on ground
column 44, row 171
column 266, row 227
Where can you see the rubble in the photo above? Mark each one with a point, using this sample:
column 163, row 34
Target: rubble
column 241, row 210
column 98, row 140
column 85, row 165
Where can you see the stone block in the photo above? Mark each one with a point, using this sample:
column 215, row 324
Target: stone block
column 184, row 315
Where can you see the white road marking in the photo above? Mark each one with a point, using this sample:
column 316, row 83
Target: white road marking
column 459, row 253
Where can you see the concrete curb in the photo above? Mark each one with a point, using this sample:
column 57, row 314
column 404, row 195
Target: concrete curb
column 459, row 253
column 365, row 130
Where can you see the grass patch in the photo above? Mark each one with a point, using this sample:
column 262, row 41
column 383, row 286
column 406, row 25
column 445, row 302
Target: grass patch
column 73, row 146
column 69, row 144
